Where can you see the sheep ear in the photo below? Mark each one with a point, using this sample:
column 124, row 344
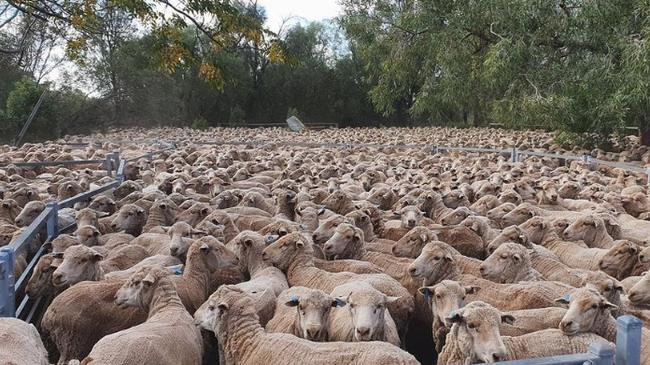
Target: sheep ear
column 97, row 256
column 390, row 300
column 165, row 228
column 338, row 302
column 449, row 258
column 248, row 242
column 426, row 291
column 472, row 289
column 517, row 257
column 103, row 214
column 608, row 305
column 424, row 237
column 205, row 211
column 293, row 302
column 95, row 233
column 566, row 299
column 222, row 307
column 205, row 248
column 507, row 318
column 199, row 232
column 634, row 249
column 148, row 280
column 321, row 211
column 140, row 211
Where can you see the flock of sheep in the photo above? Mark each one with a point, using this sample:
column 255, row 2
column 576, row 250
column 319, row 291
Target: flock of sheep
column 270, row 253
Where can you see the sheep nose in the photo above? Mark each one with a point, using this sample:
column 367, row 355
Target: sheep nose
column 314, row 237
column 363, row 331
column 265, row 256
column 114, row 226
column 312, row 332
column 632, row 295
column 566, row 324
column 482, row 269
column 394, row 249
column 173, row 250
column 497, row 356
column 412, row 270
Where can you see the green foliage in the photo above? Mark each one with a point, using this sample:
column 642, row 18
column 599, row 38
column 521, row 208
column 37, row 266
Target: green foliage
column 574, row 66
column 200, row 123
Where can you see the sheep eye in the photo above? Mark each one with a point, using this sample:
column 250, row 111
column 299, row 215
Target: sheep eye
column 472, row 325
column 438, row 296
column 211, row 308
column 137, row 282
column 436, row 258
column 594, row 306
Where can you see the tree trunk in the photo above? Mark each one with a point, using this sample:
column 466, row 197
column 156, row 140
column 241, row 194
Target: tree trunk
column 645, row 136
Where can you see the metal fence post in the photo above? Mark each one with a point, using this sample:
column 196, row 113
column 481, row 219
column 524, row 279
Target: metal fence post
column 628, row 341
column 108, row 165
column 513, row 155
column 647, row 173
column 53, row 221
column 7, row 283
column 604, row 351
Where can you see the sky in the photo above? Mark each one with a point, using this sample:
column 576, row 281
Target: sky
column 310, row 10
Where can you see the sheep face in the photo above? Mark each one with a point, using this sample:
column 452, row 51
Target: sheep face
column 478, row 329
column 481, row 206
column 308, row 216
column 411, row 244
column 456, row 216
column 130, row 219
column 446, row 297
column 181, row 234
column 87, row 235
column 280, row 228
column 9, row 209
column 194, row 214
column 585, row 306
column 88, row 217
column 336, row 201
column 584, row 228
column 510, row 196
column 313, row 312
column 213, row 253
column 125, row 189
column 79, row 263
column 281, row 252
column 178, row 186
column 639, row 294
column 410, row 216
column 509, row 234
column 476, row 224
column 636, row 204
column 7, row 233
column 455, row 199
column 139, row 289
column 620, row 259
column 505, row 263
column 225, row 200
column 367, row 307
column 569, row 190
column 548, row 194
column 559, row 225
column 435, row 259
column 536, row 229
column 41, row 277
column 29, row 213
column 518, row 215
column 326, row 229
column 345, row 238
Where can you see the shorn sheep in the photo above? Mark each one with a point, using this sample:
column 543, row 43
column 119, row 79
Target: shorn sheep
column 235, row 323
column 475, row 336
column 168, row 336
